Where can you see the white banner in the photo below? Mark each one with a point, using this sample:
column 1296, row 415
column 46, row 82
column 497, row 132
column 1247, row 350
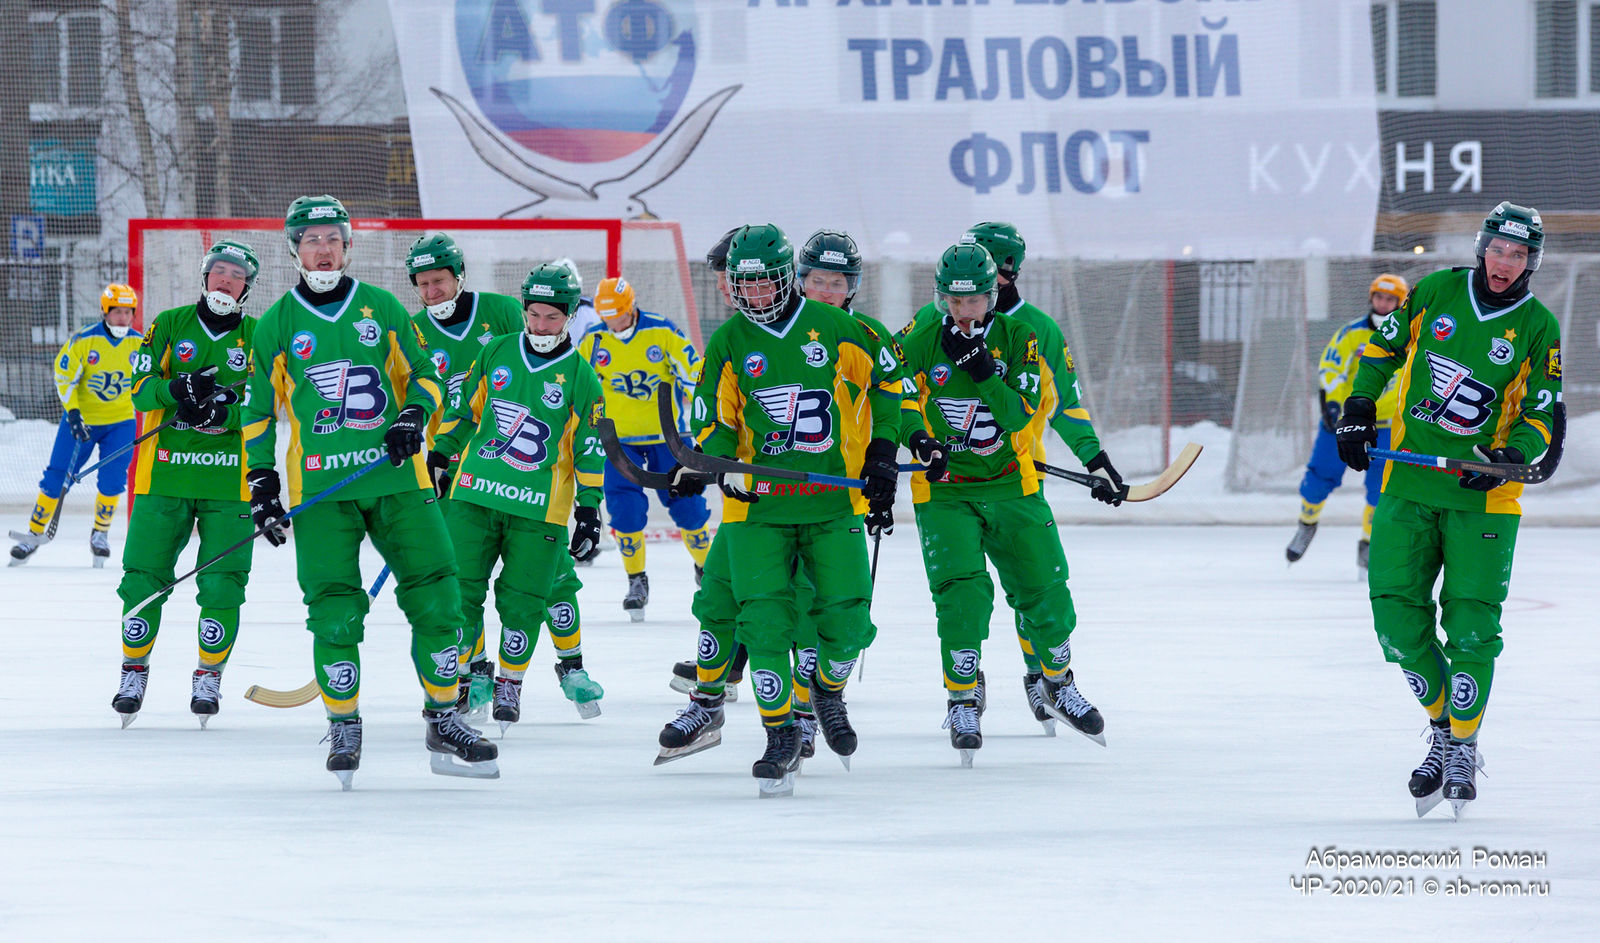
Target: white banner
column 1101, row 128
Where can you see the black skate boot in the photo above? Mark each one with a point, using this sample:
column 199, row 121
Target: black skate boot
column 980, row 693
column 454, row 749
column 638, row 596
column 1030, row 684
column 699, row 575
column 507, row 702
column 1428, row 779
column 130, row 693
column 1301, row 541
column 205, row 691
column 807, row 722
column 684, row 676
column 27, row 545
column 1064, row 703
column 736, row 674
column 697, row 727
column 961, row 718
column 777, row 766
column 834, row 720
column 344, row 749
column 1362, row 547
column 99, row 546
column 1461, row 766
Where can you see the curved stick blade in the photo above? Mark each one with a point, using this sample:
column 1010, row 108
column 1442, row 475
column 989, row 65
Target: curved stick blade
column 304, row 694
column 1158, row 486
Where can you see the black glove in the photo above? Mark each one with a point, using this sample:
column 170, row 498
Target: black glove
column 76, row 424
column 880, row 472
column 1107, row 493
column 193, row 388
column 439, row 472
column 585, row 531
column 202, row 415
column 1330, row 414
column 1478, row 481
column 687, row 483
column 969, row 353
column 266, row 510
column 930, row 452
column 1357, row 430
column 403, row 438
column 732, row 487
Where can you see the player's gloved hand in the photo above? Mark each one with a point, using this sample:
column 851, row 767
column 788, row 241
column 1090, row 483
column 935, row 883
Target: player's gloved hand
column 881, row 472
column 1478, row 481
column 80, row 430
column 1330, row 414
column 930, row 452
column 687, row 483
column 1357, row 430
column 403, row 438
column 439, row 472
column 266, row 510
column 1110, row 492
column 733, row 487
column 969, row 353
column 193, row 388
column 585, row 531
column 203, row 415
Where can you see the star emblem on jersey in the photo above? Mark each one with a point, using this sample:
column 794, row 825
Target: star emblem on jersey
column 1511, row 334
column 367, row 330
column 812, row 334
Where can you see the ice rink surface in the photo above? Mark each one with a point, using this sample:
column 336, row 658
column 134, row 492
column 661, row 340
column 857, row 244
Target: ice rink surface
column 1249, row 715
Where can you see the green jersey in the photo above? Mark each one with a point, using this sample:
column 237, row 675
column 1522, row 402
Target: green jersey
column 341, row 370
column 1467, row 377
column 525, row 429
column 807, row 393
column 180, row 461
column 454, row 348
column 1070, row 418
column 991, row 429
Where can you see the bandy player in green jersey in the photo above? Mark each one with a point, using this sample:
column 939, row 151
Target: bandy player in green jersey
column 979, row 407
column 1070, row 419
column 1479, row 365
column 523, row 426
column 190, row 475
column 788, row 385
column 342, row 359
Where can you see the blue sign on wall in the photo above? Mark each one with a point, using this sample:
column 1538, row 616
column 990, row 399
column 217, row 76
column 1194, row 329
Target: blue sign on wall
column 61, row 177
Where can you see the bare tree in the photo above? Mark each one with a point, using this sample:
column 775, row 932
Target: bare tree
column 149, row 175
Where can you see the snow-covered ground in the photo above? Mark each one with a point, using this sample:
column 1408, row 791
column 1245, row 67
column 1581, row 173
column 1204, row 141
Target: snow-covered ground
column 1250, row 720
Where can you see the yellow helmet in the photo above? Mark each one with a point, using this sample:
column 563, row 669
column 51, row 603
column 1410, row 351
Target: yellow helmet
column 1389, row 284
column 613, row 300
column 118, row 295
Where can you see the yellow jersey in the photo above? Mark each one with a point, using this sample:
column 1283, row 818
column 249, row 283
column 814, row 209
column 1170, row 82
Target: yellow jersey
column 632, row 364
column 94, row 374
column 1336, row 372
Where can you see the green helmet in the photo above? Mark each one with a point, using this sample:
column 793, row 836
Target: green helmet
column 237, row 253
column 1004, row 243
column 965, row 270
column 1519, row 224
column 831, row 251
column 552, row 284
column 321, row 210
column 757, row 253
column 435, row 252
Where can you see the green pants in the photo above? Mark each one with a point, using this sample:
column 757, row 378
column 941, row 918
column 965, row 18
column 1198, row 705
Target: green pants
column 410, row 534
column 536, row 584
column 1019, row 536
column 763, row 560
column 157, row 534
column 1411, row 543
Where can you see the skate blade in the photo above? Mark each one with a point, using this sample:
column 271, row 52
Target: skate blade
column 1426, row 803
column 448, row 764
column 1457, row 806
column 845, row 760
column 588, row 710
column 776, row 788
column 345, row 776
column 1049, row 727
column 1099, row 738
column 203, row 718
column 128, row 719
column 17, row 562
column 668, row 754
column 99, row 563
column 636, row 615
column 966, row 758
column 504, row 726
column 682, row 685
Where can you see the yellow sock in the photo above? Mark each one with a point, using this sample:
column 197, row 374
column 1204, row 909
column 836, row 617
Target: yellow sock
column 699, row 544
column 632, row 547
column 1366, row 523
column 105, row 508
column 44, row 508
column 1310, row 512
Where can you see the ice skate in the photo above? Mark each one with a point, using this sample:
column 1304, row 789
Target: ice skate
column 476, row 692
column 980, row 693
column 697, row 727
column 1065, row 704
column 807, row 723
column 27, row 545
column 699, row 575
column 1362, row 547
column 1301, row 541
column 736, row 674
column 507, row 702
column 834, row 720
column 1030, row 684
column 583, row 691
column 454, row 749
column 638, row 596
column 777, row 766
column 1427, row 780
column 100, row 547
column 684, row 676
column 205, row 691
column 961, row 719
column 1461, row 765
column 344, row 749
column 130, row 693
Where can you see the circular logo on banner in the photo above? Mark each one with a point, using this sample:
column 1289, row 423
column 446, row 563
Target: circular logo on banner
column 767, row 684
column 562, row 616
column 1463, row 691
column 602, row 357
column 1443, row 326
column 186, row 350
column 755, row 364
column 211, row 633
column 708, row 648
column 135, row 630
column 304, row 344
column 500, row 377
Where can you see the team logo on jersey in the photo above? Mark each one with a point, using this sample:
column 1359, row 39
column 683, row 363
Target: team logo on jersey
column 211, row 633
column 754, row 365
column 341, row 676
column 1459, row 403
column 708, row 647
column 841, row 669
column 500, row 377
column 655, row 354
column 767, row 684
column 465, row 481
column 92, row 359
column 635, row 384
column 973, row 424
column 816, row 354
column 964, row 662
column 940, row 375
column 135, row 630
column 186, row 350
column 1501, row 351
column 368, row 332
column 304, row 344
column 521, row 443
column 356, row 392
column 1463, row 690
column 1062, row 653
column 441, row 362
column 1552, row 364
column 237, row 358
column 562, row 616
column 1417, row 684
column 445, row 662
column 1443, row 326
column 805, row 662
column 602, row 357
column 515, row 643
column 804, row 418
column 552, row 395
